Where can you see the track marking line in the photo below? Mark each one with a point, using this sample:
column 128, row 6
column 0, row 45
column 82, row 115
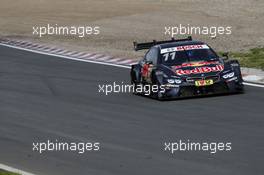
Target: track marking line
column 252, row 84
column 66, row 57
column 92, row 61
column 14, row 170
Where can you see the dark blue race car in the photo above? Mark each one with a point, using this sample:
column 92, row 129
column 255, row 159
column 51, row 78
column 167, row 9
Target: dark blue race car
column 184, row 68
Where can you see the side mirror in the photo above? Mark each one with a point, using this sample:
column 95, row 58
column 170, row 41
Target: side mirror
column 149, row 62
column 226, row 56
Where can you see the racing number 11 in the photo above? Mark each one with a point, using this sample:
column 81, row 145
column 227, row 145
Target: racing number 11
column 167, row 55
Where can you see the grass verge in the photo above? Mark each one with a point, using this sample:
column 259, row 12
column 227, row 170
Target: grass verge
column 254, row 58
column 3, row 172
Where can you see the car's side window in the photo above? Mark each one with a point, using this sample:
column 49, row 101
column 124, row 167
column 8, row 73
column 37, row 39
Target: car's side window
column 155, row 56
column 148, row 56
column 152, row 55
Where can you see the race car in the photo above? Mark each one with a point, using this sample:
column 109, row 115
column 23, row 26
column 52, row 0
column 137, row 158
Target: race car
column 184, row 68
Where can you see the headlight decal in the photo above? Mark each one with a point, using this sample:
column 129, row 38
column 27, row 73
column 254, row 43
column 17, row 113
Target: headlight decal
column 229, row 75
column 172, row 81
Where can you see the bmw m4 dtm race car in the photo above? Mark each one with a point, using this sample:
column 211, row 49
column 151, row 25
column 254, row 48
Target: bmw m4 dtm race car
column 184, row 68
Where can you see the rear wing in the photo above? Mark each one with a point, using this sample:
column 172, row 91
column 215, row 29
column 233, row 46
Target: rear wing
column 142, row 46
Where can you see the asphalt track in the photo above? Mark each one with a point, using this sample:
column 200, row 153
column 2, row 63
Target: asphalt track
column 44, row 97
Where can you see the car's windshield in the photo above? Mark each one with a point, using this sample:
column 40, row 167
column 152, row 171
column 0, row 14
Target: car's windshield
column 183, row 54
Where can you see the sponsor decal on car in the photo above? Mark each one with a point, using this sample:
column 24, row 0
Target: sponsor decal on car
column 182, row 48
column 204, row 82
column 196, row 64
column 146, row 72
column 199, row 70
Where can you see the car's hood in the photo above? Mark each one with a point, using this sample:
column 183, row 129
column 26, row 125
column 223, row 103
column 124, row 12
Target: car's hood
column 197, row 69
